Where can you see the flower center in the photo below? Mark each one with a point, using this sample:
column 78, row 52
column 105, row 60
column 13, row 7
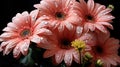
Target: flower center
column 89, row 18
column 25, row 32
column 65, row 43
column 59, row 15
column 98, row 49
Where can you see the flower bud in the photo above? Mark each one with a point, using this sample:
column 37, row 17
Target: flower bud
column 99, row 63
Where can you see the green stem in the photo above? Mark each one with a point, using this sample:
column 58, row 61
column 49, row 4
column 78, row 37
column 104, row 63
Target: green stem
column 80, row 58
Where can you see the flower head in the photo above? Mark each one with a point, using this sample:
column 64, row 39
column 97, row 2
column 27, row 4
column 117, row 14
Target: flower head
column 64, row 51
column 18, row 33
column 106, row 49
column 94, row 16
column 59, row 13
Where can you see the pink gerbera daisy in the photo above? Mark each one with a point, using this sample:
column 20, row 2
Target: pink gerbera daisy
column 18, row 33
column 94, row 16
column 59, row 13
column 106, row 49
column 64, row 50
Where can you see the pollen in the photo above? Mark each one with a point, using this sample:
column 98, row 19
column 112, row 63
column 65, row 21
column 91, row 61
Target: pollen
column 78, row 44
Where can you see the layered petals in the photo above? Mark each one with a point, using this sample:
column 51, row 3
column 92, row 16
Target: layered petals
column 94, row 16
column 106, row 49
column 18, row 33
column 59, row 13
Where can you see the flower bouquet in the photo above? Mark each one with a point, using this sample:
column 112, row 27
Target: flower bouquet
column 62, row 33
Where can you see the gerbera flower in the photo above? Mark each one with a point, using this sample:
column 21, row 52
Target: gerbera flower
column 94, row 16
column 106, row 50
column 60, row 13
column 64, row 49
column 18, row 33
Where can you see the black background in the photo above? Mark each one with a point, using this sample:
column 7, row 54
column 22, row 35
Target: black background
column 9, row 8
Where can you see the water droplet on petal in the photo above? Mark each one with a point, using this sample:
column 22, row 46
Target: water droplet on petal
column 56, row 5
column 17, row 48
column 25, row 49
column 41, row 38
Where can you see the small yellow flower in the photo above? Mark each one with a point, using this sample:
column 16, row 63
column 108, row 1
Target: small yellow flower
column 78, row 44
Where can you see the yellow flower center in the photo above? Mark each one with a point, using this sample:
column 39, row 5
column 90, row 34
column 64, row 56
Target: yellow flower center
column 78, row 44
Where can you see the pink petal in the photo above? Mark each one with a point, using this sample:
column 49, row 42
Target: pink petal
column 89, row 38
column 102, row 37
column 104, row 12
column 91, row 26
column 9, row 29
column 24, row 45
column 49, row 53
column 106, row 24
column 61, row 27
column 59, row 56
column 76, row 56
column 79, row 30
column 111, row 61
column 98, row 8
column 68, row 58
column 40, row 24
column 68, row 25
column 86, row 29
column 3, row 45
column 45, row 44
column 36, row 39
column 8, row 34
column 12, row 25
column 43, row 31
column 34, row 15
column 112, row 42
column 12, row 43
column 16, row 52
column 105, row 18
column 36, row 5
column 101, row 28
column 90, row 5
column 17, row 19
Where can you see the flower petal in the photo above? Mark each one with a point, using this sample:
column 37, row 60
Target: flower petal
column 24, row 46
column 68, row 58
column 12, row 43
column 76, row 56
column 59, row 56
column 90, row 5
column 106, row 24
column 101, row 28
column 16, row 52
column 49, row 53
